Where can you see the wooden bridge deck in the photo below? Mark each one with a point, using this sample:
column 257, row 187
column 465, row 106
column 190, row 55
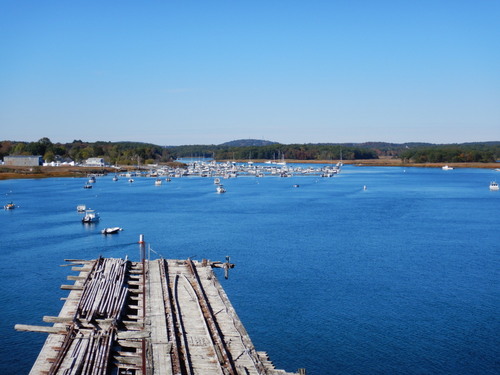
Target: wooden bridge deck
column 160, row 317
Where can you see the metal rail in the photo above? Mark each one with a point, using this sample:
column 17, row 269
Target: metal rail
column 188, row 365
column 223, row 354
column 170, row 316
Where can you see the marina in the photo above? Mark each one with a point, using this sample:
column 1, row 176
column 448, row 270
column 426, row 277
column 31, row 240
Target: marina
column 160, row 317
column 225, row 170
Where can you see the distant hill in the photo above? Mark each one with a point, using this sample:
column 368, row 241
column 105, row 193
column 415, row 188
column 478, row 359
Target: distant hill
column 248, row 142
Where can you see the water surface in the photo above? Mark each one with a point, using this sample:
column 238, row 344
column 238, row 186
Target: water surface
column 399, row 278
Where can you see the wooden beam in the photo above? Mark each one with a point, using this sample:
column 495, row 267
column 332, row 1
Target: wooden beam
column 71, row 287
column 57, row 319
column 128, row 360
column 75, row 278
column 129, row 344
column 43, row 329
column 81, row 269
column 129, row 335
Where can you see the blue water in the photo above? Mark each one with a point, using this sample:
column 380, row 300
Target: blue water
column 401, row 278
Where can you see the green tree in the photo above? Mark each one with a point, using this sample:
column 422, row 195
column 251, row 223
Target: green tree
column 19, row 149
column 49, row 156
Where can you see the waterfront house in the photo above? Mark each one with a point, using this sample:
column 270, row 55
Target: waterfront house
column 95, row 162
column 23, row 160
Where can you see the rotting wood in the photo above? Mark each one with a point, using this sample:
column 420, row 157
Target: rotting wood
column 71, row 287
column 57, row 319
column 44, row 329
column 102, row 329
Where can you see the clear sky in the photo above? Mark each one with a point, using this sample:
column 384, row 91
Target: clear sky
column 174, row 72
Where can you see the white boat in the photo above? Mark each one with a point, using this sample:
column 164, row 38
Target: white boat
column 130, row 180
column 220, row 189
column 493, row 185
column 90, row 217
column 158, row 182
column 92, row 179
column 115, row 178
column 217, row 181
column 112, row 230
column 87, row 186
column 81, row 208
column 9, row 206
column 447, row 168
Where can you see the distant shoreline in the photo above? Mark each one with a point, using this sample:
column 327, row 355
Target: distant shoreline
column 10, row 172
column 386, row 162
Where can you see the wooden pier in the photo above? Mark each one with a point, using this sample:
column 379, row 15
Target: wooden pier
column 160, row 317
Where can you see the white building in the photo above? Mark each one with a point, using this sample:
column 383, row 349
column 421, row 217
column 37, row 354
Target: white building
column 95, row 162
column 23, row 160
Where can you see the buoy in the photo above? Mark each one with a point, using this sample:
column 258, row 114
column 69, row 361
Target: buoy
column 141, row 238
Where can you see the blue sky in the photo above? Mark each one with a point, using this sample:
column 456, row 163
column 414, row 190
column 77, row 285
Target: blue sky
column 207, row 72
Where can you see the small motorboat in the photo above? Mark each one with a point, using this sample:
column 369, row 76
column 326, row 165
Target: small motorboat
column 220, row 189
column 92, row 179
column 9, row 206
column 158, row 182
column 296, row 185
column 494, row 185
column 115, row 178
column 447, row 168
column 87, row 186
column 130, row 180
column 81, row 208
column 90, row 217
column 112, row 230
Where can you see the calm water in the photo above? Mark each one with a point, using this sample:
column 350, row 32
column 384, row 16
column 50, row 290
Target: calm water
column 402, row 278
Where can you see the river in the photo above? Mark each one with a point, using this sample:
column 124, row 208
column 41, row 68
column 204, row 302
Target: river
column 400, row 277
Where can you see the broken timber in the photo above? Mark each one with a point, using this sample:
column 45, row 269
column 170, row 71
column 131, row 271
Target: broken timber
column 160, row 317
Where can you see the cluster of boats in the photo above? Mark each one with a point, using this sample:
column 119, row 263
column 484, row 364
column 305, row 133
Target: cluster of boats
column 92, row 217
column 226, row 170
column 231, row 169
column 89, row 183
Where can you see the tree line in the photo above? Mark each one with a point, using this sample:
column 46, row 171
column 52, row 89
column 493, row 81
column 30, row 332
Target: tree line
column 465, row 153
column 133, row 153
column 116, row 153
column 275, row 152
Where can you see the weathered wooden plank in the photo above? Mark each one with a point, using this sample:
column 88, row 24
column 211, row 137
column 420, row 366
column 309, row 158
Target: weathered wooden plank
column 57, row 319
column 71, row 287
column 135, row 283
column 133, row 317
column 129, row 360
column 81, row 269
column 44, row 329
column 129, row 344
column 75, row 278
column 129, row 335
